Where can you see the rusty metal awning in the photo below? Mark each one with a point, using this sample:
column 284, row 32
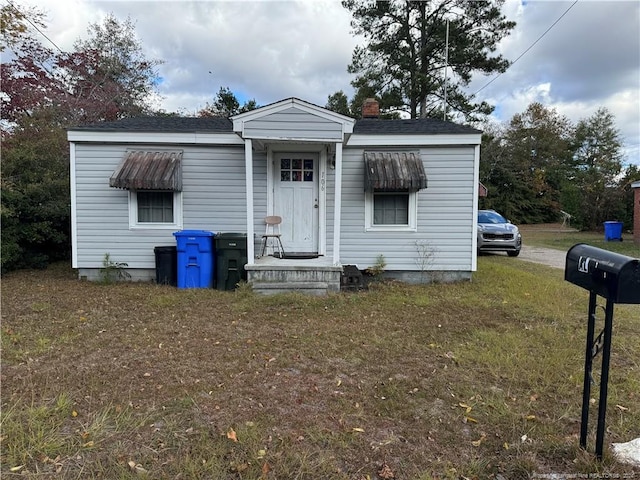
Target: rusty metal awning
column 144, row 170
column 394, row 171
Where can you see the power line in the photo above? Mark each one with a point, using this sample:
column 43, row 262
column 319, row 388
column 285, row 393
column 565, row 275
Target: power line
column 529, row 48
column 34, row 26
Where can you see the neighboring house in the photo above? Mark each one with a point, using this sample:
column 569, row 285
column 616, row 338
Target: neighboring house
column 349, row 191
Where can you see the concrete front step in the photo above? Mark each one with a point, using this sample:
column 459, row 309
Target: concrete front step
column 304, row 278
column 309, row 288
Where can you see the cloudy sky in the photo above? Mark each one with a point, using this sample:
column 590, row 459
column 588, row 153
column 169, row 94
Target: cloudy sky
column 270, row 50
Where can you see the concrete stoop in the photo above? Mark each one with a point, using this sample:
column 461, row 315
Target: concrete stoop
column 312, row 280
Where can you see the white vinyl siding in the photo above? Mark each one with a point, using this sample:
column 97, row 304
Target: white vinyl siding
column 213, row 198
column 293, row 123
column 444, row 215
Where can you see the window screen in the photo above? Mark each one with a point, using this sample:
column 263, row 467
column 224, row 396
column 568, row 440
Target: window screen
column 391, row 209
column 155, row 207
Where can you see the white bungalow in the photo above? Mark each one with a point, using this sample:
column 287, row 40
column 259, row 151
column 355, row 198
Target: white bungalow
column 349, row 192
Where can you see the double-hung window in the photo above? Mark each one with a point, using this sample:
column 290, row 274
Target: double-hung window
column 392, row 181
column 155, row 209
column 154, row 181
column 392, row 211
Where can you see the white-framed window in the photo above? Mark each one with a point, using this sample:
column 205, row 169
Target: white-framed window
column 391, row 211
column 155, row 209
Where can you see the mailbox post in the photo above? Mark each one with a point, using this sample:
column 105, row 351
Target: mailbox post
column 616, row 278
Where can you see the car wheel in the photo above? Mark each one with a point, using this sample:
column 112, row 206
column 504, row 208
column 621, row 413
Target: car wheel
column 513, row 253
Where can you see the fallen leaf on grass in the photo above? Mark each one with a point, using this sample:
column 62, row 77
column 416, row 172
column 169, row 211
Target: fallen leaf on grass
column 621, row 408
column 476, row 443
column 357, row 429
column 231, row 435
column 265, row 469
column 385, row 472
column 465, row 406
column 470, row 419
column 530, row 417
column 136, row 467
column 16, row 469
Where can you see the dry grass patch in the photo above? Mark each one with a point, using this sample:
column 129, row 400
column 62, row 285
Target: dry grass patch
column 470, row 380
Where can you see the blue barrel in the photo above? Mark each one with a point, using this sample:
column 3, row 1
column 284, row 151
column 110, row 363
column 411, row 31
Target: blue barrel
column 195, row 258
column 612, row 231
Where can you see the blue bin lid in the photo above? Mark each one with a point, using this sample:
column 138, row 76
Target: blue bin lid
column 193, row 233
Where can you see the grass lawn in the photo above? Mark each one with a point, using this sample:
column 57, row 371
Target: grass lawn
column 474, row 380
column 554, row 236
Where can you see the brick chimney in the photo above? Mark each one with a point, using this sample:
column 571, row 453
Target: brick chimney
column 370, row 108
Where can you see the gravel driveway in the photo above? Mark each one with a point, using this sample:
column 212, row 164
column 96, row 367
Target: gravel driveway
column 546, row 256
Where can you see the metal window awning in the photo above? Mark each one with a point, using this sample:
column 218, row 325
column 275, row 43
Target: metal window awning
column 145, row 170
column 394, row 171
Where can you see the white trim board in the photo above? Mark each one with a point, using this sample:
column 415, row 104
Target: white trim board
column 359, row 140
column 155, row 137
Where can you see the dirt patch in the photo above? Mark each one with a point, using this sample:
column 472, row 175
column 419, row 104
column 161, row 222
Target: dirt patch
column 546, row 256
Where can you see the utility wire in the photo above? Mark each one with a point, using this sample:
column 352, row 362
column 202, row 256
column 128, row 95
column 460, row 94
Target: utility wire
column 530, row 47
column 34, row 26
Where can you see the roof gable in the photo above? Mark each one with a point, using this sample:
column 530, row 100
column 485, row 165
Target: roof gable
column 288, row 103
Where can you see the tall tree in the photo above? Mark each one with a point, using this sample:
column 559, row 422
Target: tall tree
column 404, row 58
column 44, row 92
column 339, row 103
column 106, row 77
column 506, row 192
column 14, row 25
column 527, row 164
column 226, row 104
column 110, row 68
column 598, row 161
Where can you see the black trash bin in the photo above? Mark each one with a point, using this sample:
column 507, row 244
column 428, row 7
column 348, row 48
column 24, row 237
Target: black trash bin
column 166, row 265
column 231, row 253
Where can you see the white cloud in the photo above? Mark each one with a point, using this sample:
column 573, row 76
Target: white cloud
column 269, row 50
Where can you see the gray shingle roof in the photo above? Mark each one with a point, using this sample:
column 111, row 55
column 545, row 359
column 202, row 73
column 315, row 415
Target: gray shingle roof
column 428, row 126
column 367, row 126
column 163, row 124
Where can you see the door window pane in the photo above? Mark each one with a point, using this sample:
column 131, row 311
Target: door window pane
column 296, row 170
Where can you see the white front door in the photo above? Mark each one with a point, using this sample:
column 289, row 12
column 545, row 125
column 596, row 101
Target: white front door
column 296, row 200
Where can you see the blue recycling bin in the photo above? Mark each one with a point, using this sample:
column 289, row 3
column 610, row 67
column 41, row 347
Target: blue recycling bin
column 195, row 258
column 612, row 231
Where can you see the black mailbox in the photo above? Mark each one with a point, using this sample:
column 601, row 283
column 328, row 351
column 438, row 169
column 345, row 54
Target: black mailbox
column 611, row 275
column 616, row 278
